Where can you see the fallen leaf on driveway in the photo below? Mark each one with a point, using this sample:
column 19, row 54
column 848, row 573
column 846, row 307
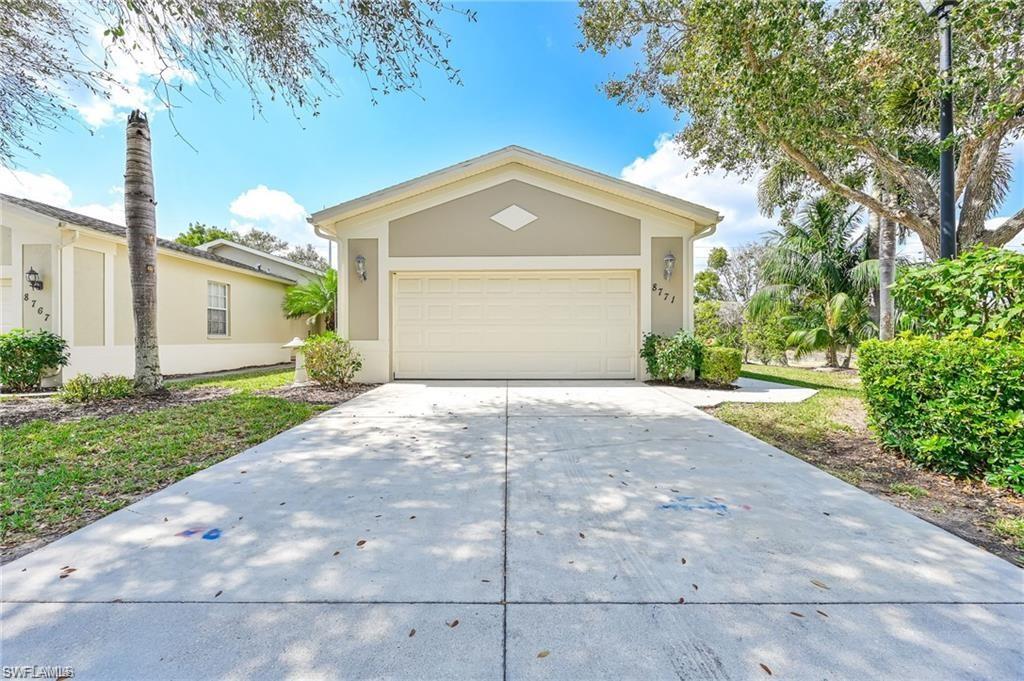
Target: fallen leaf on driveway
column 682, row 600
column 765, row 667
column 683, row 561
column 337, row 552
column 452, row 624
column 820, row 585
column 582, row 536
column 544, row 653
column 361, row 543
column 794, row 613
column 823, row 614
column 412, row 632
column 218, row 593
column 694, row 586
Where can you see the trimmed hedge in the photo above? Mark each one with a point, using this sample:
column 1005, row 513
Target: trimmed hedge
column 953, row 404
column 720, row 365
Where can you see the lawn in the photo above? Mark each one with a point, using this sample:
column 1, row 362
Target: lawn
column 261, row 379
column 56, row 477
column 830, row 430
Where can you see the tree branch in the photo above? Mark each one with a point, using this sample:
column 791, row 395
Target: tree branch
column 1005, row 231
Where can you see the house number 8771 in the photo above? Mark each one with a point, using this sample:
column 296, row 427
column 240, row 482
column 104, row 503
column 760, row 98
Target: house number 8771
column 665, row 295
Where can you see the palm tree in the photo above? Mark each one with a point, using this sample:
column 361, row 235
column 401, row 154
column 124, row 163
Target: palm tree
column 817, row 267
column 316, row 300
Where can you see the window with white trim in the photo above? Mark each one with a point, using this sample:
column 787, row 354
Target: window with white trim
column 216, row 308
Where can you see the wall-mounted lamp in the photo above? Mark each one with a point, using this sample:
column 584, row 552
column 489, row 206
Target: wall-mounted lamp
column 670, row 266
column 361, row 267
column 33, row 279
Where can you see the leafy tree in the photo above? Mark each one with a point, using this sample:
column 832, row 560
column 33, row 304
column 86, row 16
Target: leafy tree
column 980, row 292
column 275, row 50
column 307, row 255
column 317, row 300
column 765, row 335
column 719, row 323
column 718, row 258
column 198, row 234
column 817, row 266
column 740, row 277
column 263, row 241
column 831, row 91
column 706, row 285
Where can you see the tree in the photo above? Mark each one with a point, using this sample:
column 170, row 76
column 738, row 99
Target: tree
column 263, row 241
column 831, row 92
column 705, row 285
column 816, row 266
column 140, row 229
column 718, row 258
column 276, row 50
column 198, row 234
column 317, row 300
column 307, row 255
column 741, row 276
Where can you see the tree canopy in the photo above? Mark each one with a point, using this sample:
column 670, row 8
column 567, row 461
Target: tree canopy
column 832, row 91
column 276, row 50
column 198, row 234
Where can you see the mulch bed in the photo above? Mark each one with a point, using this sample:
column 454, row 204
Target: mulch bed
column 962, row 507
column 17, row 411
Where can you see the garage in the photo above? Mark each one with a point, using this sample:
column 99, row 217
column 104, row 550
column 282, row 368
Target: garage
column 512, row 265
column 515, row 325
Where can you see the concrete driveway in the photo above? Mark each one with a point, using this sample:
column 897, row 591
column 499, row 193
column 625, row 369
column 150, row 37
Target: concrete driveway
column 514, row 530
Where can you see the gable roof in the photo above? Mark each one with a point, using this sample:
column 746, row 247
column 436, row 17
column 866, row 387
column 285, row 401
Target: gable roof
column 110, row 228
column 255, row 251
column 702, row 215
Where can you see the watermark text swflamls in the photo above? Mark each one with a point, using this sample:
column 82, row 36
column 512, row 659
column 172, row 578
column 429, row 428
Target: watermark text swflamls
column 38, row 672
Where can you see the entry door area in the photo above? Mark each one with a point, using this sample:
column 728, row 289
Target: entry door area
column 546, row 324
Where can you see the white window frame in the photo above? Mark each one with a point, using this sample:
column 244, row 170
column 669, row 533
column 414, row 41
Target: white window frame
column 226, row 309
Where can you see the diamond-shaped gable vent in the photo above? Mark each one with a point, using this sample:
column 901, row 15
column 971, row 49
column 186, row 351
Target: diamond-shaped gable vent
column 514, row 217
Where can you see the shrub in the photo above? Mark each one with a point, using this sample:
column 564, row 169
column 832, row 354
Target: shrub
column 670, row 359
column 86, row 388
column 765, row 336
column 981, row 291
column 26, row 355
column 718, row 323
column 331, row 360
column 720, row 365
column 953, row 404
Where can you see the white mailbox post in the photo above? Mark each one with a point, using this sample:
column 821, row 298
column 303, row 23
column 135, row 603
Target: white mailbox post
column 296, row 345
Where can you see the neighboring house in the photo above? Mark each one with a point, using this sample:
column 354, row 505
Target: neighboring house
column 212, row 312
column 512, row 265
column 265, row 262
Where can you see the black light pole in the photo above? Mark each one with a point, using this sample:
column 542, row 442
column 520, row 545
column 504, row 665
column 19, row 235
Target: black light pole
column 947, row 203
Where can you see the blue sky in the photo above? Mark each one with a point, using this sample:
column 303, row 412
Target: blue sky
column 524, row 82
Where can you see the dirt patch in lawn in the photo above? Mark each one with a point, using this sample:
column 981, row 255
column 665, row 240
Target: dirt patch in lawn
column 19, row 410
column 965, row 508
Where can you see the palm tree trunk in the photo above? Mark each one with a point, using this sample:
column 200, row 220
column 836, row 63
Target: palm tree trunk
column 140, row 220
column 831, row 356
column 886, row 277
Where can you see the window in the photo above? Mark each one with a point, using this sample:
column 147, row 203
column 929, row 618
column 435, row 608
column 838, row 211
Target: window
column 216, row 309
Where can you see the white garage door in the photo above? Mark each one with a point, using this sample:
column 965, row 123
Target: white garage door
column 515, row 325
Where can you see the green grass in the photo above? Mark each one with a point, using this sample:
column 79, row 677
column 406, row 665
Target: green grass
column 55, row 477
column 905, row 490
column 792, row 426
column 261, row 379
column 1011, row 527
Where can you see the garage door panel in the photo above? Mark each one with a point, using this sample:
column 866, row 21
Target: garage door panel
column 516, row 325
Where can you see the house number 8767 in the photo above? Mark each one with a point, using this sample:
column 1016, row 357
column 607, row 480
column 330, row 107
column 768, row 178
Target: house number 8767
column 38, row 308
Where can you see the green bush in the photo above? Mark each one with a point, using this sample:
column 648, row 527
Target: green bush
column 25, row 356
column 331, row 360
column 981, row 291
column 86, row 388
column 670, row 359
column 953, row 404
column 720, row 365
column 765, row 337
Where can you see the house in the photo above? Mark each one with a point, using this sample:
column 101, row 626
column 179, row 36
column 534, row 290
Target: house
column 512, row 265
column 69, row 273
column 265, row 262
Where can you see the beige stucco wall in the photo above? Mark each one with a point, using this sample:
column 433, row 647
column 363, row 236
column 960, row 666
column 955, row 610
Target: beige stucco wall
column 363, row 296
column 254, row 314
column 88, row 315
column 564, row 226
column 668, row 305
column 37, row 310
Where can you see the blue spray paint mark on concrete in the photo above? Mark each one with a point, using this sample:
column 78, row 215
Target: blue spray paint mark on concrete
column 716, row 505
column 212, row 534
column 190, row 531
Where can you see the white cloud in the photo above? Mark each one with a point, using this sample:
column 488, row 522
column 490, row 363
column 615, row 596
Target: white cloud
column 667, row 170
column 274, row 211
column 49, row 189
column 134, row 68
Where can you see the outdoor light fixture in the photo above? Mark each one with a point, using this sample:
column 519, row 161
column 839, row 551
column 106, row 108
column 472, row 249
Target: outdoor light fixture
column 361, row 267
column 670, row 266
column 33, row 279
column 940, row 9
